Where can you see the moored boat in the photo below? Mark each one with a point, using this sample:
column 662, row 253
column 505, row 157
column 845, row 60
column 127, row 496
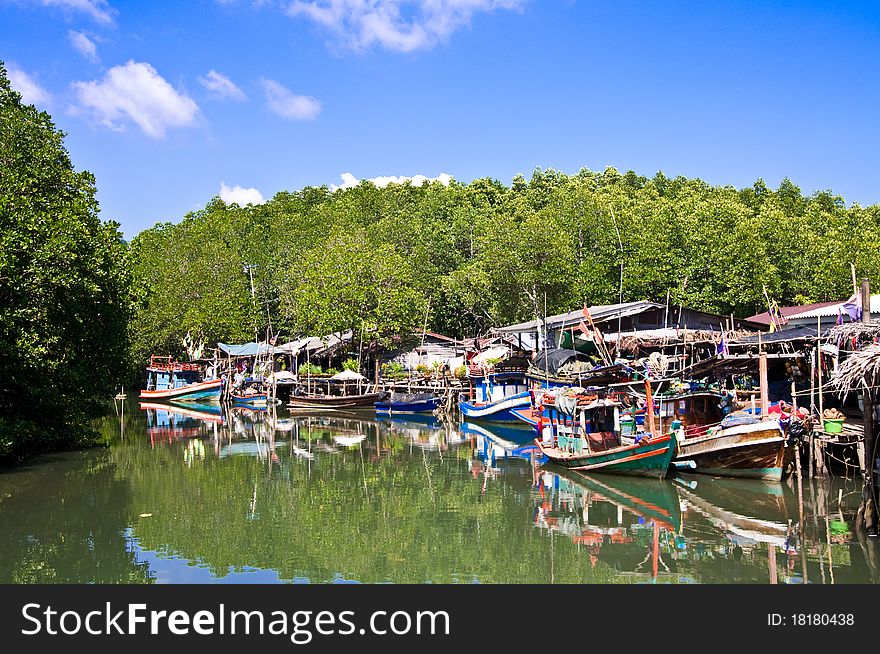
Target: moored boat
column 249, row 399
column 172, row 380
column 582, row 432
column 408, row 403
column 495, row 391
column 333, row 401
column 755, row 450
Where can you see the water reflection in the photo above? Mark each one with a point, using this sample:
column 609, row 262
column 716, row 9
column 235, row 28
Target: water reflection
column 196, row 493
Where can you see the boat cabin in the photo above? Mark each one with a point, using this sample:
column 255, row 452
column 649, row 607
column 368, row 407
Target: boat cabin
column 164, row 374
column 490, row 387
column 589, row 424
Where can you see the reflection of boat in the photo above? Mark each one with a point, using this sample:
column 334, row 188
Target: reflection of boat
column 756, row 450
column 333, row 401
column 629, row 524
column 408, row 403
column 750, row 509
column 499, row 441
column 652, row 499
column 168, row 379
column 166, row 422
column 188, row 410
column 204, row 409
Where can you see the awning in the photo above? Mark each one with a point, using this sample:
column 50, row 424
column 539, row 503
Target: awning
column 246, row 349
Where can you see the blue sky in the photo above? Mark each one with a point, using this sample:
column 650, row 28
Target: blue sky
column 304, row 91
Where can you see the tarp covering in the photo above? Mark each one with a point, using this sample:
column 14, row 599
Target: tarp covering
column 246, row 349
column 552, row 360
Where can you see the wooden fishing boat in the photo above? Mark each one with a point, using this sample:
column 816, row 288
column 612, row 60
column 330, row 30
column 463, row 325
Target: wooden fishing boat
column 408, row 403
column 756, row 451
column 333, row 401
column 172, row 380
column 582, row 432
column 252, row 399
column 494, row 394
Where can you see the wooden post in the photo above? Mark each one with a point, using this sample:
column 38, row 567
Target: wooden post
column 771, row 561
column 867, row 399
column 765, row 389
column 649, row 408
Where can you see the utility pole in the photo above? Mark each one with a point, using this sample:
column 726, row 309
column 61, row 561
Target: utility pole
column 249, row 269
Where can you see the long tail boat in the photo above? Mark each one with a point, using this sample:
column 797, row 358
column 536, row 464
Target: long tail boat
column 582, row 432
column 333, row 401
column 408, row 403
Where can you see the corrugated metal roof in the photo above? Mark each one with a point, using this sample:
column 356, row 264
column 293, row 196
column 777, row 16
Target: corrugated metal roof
column 600, row 313
column 833, row 310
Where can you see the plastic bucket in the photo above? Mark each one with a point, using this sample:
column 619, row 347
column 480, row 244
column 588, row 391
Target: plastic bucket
column 833, row 425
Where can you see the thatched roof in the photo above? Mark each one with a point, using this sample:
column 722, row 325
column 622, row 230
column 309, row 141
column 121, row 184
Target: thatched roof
column 860, row 371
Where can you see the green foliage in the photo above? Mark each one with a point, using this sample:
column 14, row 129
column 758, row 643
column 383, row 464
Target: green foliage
column 64, row 287
column 392, row 368
column 471, row 256
column 351, row 364
column 310, row 369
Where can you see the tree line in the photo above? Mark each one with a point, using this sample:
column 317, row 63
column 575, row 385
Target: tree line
column 461, row 258
column 81, row 310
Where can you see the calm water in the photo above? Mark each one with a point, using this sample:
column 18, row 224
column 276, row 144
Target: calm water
column 245, row 496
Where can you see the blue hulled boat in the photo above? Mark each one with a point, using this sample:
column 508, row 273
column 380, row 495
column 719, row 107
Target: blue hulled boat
column 408, row 403
column 494, row 395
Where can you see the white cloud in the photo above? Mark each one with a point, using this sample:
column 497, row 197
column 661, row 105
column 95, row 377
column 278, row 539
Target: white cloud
column 402, row 25
column 221, row 86
column 84, row 45
column 31, row 92
column 136, row 92
column 349, row 180
column 240, row 196
column 289, row 105
column 97, row 10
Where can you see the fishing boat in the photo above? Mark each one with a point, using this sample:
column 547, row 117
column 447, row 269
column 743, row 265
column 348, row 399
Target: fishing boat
column 408, row 403
column 172, row 380
column 494, row 394
column 711, row 443
column 249, row 399
column 363, row 400
column 581, row 431
column 756, row 450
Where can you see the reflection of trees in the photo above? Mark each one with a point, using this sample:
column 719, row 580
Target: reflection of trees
column 408, row 515
column 63, row 521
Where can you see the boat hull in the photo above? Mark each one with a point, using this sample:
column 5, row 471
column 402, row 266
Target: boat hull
column 501, row 410
column 647, row 458
column 755, row 451
column 250, row 400
column 423, row 406
column 206, row 390
column 333, row 401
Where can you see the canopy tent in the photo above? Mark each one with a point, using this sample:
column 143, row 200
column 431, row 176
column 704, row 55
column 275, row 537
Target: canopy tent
column 247, row 349
column 314, row 344
column 499, row 352
column 348, row 375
